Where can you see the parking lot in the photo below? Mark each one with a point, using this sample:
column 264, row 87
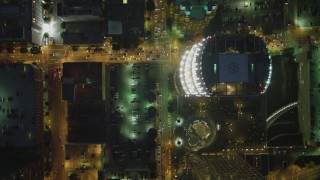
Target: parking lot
column 130, row 114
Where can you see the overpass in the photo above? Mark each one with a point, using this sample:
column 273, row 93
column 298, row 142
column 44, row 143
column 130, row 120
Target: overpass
column 275, row 115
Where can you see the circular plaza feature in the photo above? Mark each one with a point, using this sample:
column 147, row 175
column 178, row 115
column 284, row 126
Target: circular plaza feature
column 199, row 132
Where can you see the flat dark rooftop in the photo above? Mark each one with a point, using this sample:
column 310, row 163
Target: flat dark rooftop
column 17, row 15
column 87, row 78
column 86, row 123
column 235, row 59
column 83, row 33
column 130, row 15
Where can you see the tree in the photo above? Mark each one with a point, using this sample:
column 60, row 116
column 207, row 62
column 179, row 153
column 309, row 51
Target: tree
column 35, row 50
column 46, row 19
column 172, row 105
column 302, row 161
column 152, row 111
column 150, row 5
column 152, row 134
column 23, row 49
column 46, row 6
column 75, row 48
column 288, row 52
column 151, row 145
column 46, row 35
column 10, row 49
column 151, row 97
column 62, row 34
column 171, row 108
column 169, row 23
column 63, row 25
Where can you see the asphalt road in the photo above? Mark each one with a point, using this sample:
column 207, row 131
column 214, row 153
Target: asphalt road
column 59, row 123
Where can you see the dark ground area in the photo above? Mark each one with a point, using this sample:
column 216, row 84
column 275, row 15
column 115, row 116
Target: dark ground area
column 282, row 91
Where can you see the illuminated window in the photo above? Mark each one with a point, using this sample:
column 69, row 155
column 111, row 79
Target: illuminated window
column 125, row 1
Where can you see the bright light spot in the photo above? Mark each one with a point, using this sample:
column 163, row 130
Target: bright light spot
column 269, row 76
column 190, row 71
column 178, row 142
column 179, row 121
column 46, row 27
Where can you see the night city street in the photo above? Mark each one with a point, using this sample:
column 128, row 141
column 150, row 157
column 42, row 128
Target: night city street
column 159, row 89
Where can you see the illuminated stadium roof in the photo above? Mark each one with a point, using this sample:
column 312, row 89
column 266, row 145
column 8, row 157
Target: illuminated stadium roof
column 226, row 65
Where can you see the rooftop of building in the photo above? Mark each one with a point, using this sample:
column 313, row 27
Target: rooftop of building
column 15, row 20
column 235, row 59
column 84, row 32
column 124, row 19
column 195, row 2
column 86, row 122
column 17, row 105
column 196, row 9
column 16, row 159
column 81, row 3
column 86, row 79
column 225, row 166
column 80, row 8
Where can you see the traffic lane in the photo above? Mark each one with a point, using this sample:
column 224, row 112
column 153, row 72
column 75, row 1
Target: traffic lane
column 62, row 130
column 167, row 130
column 161, row 119
column 304, row 98
column 57, row 146
column 61, row 145
column 23, row 57
column 102, row 58
column 53, row 101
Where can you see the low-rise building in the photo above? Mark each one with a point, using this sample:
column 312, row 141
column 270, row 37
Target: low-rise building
column 83, row 87
column 21, row 121
column 21, row 105
column 303, row 13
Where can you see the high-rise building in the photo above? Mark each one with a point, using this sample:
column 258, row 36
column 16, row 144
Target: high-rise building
column 191, row 17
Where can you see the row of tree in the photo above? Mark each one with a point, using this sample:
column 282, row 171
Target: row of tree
column 22, row 49
column 302, row 161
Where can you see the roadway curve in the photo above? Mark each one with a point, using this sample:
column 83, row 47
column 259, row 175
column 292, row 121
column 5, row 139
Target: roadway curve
column 275, row 115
